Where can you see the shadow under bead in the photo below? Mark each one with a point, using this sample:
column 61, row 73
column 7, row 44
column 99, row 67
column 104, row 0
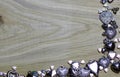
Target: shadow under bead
column 115, row 10
column 109, row 45
column 104, row 26
column 1, row 20
column 110, row 1
column 114, row 24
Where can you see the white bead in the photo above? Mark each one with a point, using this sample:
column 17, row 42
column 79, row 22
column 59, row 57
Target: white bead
column 82, row 62
column 14, row 67
column 115, row 40
column 99, row 50
column 91, row 75
column 99, row 11
column 112, row 61
column 39, row 72
column 104, row 9
column 118, row 56
column 70, row 62
column 100, row 67
column 109, row 25
column 119, row 30
column 105, row 5
column 106, row 70
column 53, row 73
column 52, row 67
column 75, row 65
column 118, row 46
column 112, row 55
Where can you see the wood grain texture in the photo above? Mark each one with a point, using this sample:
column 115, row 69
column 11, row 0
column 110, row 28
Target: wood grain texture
column 39, row 33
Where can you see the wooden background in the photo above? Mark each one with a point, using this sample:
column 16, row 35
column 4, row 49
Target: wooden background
column 35, row 34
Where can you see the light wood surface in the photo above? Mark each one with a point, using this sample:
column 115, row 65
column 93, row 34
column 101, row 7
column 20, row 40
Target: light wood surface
column 39, row 33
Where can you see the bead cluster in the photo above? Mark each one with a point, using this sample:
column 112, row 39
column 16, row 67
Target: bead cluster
column 110, row 27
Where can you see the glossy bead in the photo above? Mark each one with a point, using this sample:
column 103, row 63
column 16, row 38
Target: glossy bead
column 103, row 1
column 115, row 67
column 110, row 32
column 110, row 1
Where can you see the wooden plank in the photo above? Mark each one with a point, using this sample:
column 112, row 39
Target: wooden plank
column 39, row 33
